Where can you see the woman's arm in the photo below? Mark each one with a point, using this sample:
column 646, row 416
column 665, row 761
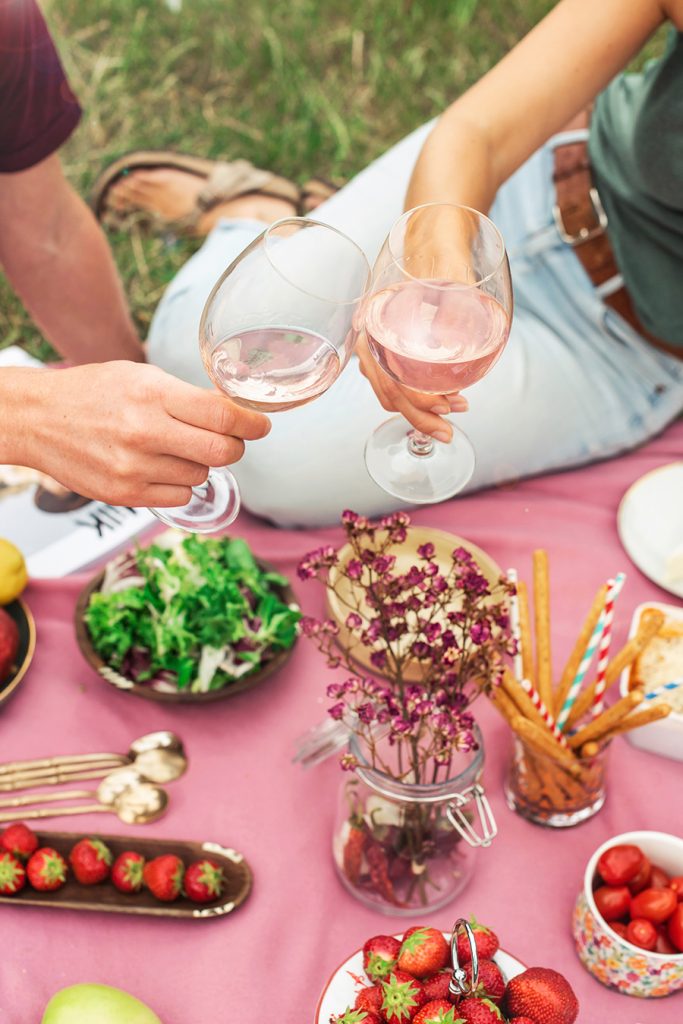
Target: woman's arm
column 551, row 75
column 58, row 261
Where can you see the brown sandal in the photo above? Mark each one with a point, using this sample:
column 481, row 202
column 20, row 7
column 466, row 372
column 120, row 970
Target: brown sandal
column 314, row 192
column 223, row 181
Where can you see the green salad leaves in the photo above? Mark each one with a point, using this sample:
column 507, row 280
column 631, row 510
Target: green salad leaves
column 190, row 614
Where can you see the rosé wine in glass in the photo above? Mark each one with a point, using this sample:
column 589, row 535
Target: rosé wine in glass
column 435, row 339
column 274, row 368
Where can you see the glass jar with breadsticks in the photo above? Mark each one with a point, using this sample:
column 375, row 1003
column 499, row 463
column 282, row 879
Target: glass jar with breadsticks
column 562, row 729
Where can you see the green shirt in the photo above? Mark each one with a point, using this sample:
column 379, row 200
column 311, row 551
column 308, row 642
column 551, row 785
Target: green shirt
column 636, row 150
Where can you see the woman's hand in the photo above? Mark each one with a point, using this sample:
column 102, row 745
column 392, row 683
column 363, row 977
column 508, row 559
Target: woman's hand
column 121, row 432
column 424, row 411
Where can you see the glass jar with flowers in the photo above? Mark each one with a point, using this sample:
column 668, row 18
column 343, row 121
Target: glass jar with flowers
column 432, row 628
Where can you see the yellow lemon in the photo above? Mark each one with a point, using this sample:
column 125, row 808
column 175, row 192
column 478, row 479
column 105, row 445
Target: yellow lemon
column 13, row 575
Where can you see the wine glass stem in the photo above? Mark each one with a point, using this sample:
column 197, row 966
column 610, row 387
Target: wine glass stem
column 419, row 444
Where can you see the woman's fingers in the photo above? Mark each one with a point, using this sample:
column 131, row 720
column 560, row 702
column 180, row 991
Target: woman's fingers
column 212, row 412
column 165, row 496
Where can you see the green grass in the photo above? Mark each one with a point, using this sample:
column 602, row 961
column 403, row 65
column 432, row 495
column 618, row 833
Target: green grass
column 299, row 86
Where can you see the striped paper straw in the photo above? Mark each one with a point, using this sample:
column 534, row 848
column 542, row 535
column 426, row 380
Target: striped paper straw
column 615, row 586
column 581, row 671
column 535, row 699
column 514, row 626
column 662, row 690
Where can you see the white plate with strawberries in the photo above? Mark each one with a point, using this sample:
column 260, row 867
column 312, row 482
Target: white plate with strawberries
column 409, row 974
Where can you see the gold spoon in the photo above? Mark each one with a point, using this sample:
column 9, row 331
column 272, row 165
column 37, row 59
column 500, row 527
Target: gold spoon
column 158, row 765
column 111, row 787
column 163, row 740
column 137, row 805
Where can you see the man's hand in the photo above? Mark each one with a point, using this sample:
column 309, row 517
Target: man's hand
column 121, row 432
column 424, row 411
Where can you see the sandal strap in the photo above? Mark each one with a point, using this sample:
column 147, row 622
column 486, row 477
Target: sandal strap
column 228, row 180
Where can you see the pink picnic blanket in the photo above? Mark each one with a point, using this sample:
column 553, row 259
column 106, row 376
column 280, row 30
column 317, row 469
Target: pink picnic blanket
column 270, row 959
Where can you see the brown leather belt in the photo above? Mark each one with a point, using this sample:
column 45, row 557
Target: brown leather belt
column 581, row 221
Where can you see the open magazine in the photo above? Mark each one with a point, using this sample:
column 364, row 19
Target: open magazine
column 57, row 531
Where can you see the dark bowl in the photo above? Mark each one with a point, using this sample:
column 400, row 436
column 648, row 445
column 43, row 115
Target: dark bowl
column 19, row 611
column 115, row 678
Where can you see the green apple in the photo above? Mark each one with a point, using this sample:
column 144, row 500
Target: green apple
column 87, row 1004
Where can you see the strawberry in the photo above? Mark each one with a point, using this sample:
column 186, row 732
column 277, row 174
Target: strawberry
column 520, row 1020
column 479, row 1011
column 485, row 940
column 353, row 854
column 380, row 954
column 126, row 872
column 542, row 994
column 19, row 840
column 9, row 643
column 403, row 997
column 46, row 869
column 490, row 982
column 12, row 875
column 438, row 1011
column 436, row 987
column 203, row 881
column 378, row 866
column 370, row 999
column 423, row 951
column 90, row 860
column 357, row 1017
column 163, row 876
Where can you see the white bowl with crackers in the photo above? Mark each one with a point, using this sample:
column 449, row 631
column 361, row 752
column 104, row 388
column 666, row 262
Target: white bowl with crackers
column 660, row 663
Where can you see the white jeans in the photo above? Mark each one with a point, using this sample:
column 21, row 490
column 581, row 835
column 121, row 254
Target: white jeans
column 575, row 384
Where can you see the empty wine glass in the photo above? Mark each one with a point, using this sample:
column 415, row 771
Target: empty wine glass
column 437, row 317
column 275, row 332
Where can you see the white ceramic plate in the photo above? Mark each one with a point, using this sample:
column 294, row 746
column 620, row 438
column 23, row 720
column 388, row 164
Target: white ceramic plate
column 650, row 523
column 664, row 737
column 349, row 978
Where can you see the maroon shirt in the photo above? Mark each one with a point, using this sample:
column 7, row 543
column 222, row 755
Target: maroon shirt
column 38, row 111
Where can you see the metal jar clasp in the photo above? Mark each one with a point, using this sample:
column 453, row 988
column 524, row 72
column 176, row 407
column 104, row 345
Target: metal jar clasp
column 464, row 825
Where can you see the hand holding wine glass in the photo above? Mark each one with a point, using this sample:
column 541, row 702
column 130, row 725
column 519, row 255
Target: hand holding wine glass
column 276, row 332
column 436, row 319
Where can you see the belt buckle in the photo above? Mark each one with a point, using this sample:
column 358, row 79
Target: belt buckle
column 584, row 234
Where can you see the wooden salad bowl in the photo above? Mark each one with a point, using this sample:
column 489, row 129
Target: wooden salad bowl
column 114, row 678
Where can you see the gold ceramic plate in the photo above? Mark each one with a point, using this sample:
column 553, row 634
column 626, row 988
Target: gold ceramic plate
column 406, row 555
column 106, row 897
column 19, row 611
column 114, row 678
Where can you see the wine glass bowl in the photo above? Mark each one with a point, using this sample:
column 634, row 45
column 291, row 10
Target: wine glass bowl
column 436, row 318
column 276, row 331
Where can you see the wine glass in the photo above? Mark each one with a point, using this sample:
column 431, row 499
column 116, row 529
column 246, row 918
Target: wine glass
column 276, row 332
column 436, row 317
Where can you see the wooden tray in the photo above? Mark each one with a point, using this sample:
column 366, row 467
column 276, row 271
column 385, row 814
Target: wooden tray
column 115, row 678
column 107, row 898
column 19, row 611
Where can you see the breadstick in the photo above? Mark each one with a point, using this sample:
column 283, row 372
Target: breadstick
column 542, row 741
column 628, row 654
column 590, row 749
column 607, row 720
column 637, row 719
column 544, row 677
column 503, row 704
column 526, row 646
column 523, row 703
column 580, row 646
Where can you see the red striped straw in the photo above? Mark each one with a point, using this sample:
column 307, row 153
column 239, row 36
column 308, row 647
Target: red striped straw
column 535, row 698
column 615, row 586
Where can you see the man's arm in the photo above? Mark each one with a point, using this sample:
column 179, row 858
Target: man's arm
column 59, row 263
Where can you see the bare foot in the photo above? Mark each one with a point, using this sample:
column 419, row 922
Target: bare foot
column 172, row 194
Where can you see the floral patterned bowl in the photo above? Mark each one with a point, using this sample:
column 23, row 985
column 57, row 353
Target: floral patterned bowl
column 611, row 959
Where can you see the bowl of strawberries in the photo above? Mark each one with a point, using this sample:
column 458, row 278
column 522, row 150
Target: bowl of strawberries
column 628, row 918
column 426, row 976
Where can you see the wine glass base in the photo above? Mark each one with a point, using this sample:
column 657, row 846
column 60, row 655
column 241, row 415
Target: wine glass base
column 419, row 478
column 213, row 505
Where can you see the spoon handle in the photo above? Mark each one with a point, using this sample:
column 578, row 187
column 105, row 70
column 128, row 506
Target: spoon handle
column 61, row 761
column 45, row 798
column 30, row 781
column 48, row 812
